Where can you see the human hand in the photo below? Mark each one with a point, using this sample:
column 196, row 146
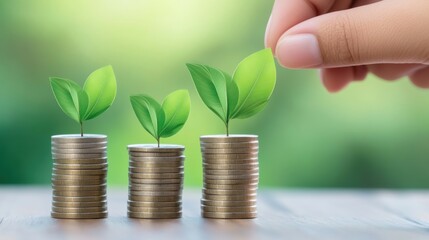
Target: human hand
column 346, row 39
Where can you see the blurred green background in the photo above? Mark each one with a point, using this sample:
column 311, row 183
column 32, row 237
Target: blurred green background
column 373, row 134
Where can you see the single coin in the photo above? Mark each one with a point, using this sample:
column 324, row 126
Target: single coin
column 155, row 148
column 77, row 138
column 79, row 188
column 81, row 161
column 230, row 156
column 78, row 145
column 155, row 154
column 79, row 151
column 231, row 145
column 231, row 181
column 77, row 182
column 78, row 177
column 157, row 161
column 155, row 193
column 228, row 177
column 221, row 163
column 231, row 187
column 155, row 170
column 78, row 156
column 79, row 204
column 155, row 215
column 102, row 171
column 229, row 215
column 78, row 210
column 228, row 139
column 142, row 198
column 230, row 192
column 207, row 151
column 228, row 209
column 231, row 172
column 154, row 210
column 155, row 187
column 230, row 166
column 158, row 164
column 79, row 215
column 228, row 203
column 242, row 197
column 79, row 193
column 154, row 204
column 157, row 175
column 80, row 166
column 79, row 199
column 155, row 181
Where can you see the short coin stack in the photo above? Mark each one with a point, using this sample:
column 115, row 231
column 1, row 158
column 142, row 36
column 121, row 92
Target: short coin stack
column 79, row 176
column 231, row 176
column 155, row 181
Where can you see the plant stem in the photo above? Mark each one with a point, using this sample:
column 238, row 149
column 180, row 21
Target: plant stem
column 81, row 129
column 158, row 140
column 227, row 128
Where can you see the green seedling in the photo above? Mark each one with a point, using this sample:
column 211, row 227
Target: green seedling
column 241, row 96
column 85, row 103
column 165, row 120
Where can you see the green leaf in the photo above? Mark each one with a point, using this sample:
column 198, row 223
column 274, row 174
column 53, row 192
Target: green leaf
column 150, row 114
column 66, row 93
column 255, row 77
column 101, row 90
column 212, row 88
column 176, row 107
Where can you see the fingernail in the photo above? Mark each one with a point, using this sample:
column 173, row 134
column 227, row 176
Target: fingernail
column 299, row 51
column 267, row 32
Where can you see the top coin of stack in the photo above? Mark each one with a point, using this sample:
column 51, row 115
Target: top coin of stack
column 79, row 176
column 231, row 176
column 155, row 181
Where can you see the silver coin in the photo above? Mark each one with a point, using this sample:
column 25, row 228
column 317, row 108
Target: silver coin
column 155, row 170
column 241, row 209
column 229, row 215
column 79, row 151
column 74, row 156
column 228, row 139
column 228, row 177
column 155, row 193
column 155, row 187
column 253, row 144
column 231, row 187
column 154, row 154
column 153, row 148
column 157, row 175
column 78, row 210
column 143, row 164
column 244, row 166
column 79, row 204
column 79, row 215
column 80, row 166
column 155, row 181
column 242, row 197
column 154, row 204
column 155, row 215
column 142, row 198
column 154, row 210
column 78, row 145
column 102, row 171
column 81, row 161
column 231, row 172
column 228, row 203
column 77, row 138
column 79, row 199
column 227, row 192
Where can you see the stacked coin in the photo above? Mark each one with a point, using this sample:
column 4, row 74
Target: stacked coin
column 79, row 176
column 231, row 176
column 155, row 181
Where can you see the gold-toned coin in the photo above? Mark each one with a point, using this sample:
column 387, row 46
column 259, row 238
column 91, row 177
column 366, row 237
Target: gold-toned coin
column 157, row 164
column 154, row 210
column 228, row 177
column 228, row 209
column 252, row 144
column 231, row 172
column 244, row 166
column 242, row 197
column 80, row 166
column 231, row 187
column 233, row 138
column 74, row 182
column 155, row 170
column 230, row 162
column 79, row 215
column 78, row 145
column 155, row 215
column 231, row 181
column 78, row 177
column 79, row 204
column 74, row 156
column 79, row 199
column 78, row 151
column 155, row 181
column 228, row 203
column 208, row 151
column 135, row 155
column 79, row 187
column 154, row 148
column 141, row 198
column 155, row 187
column 157, row 175
column 155, row 193
column 229, row 215
column 230, row 192
column 102, row 171
column 77, row 138
column 78, row 210
column 79, row 193
column 154, row 204
column 81, row 161
column 231, row 156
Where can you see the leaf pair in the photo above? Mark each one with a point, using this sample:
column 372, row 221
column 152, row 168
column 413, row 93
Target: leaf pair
column 164, row 120
column 86, row 103
column 240, row 96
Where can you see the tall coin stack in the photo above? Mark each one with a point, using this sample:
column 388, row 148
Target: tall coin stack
column 231, row 176
column 79, row 176
column 155, row 181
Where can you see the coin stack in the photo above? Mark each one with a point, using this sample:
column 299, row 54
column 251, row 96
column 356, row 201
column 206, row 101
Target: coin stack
column 155, row 181
column 79, row 176
column 231, row 176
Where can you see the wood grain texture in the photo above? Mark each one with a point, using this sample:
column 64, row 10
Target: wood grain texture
column 283, row 214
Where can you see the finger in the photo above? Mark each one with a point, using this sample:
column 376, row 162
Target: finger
column 360, row 72
column 393, row 71
column 359, row 36
column 421, row 78
column 335, row 79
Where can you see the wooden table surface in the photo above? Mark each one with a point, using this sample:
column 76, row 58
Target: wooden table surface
column 283, row 214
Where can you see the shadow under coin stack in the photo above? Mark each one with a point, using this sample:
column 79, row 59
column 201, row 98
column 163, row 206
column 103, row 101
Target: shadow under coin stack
column 79, row 176
column 155, row 181
column 231, row 176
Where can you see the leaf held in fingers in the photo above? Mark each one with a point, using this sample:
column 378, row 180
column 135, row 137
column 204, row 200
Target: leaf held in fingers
column 255, row 77
column 176, row 108
column 66, row 93
column 101, row 90
column 149, row 112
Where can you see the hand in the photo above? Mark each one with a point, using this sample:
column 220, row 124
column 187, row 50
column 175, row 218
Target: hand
column 347, row 39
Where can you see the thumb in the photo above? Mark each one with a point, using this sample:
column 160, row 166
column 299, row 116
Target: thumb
column 385, row 32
